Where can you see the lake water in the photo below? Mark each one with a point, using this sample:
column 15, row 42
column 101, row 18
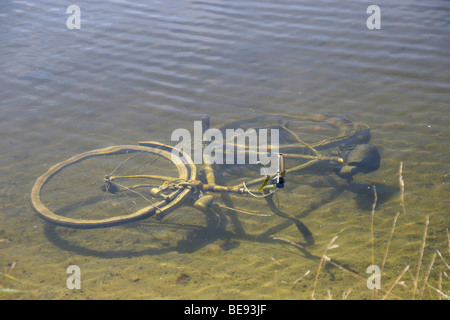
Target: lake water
column 136, row 72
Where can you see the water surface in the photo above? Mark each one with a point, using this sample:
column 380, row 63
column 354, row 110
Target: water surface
column 137, row 71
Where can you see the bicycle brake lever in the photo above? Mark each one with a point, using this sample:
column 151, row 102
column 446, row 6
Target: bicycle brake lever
column 279, row 178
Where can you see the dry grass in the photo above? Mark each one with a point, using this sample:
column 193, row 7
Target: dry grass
column 322, row 259
column 417, row 290
column 419, row 263
column 424, row 284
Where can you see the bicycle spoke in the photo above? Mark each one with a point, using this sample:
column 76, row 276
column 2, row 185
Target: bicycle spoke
column 77, row 191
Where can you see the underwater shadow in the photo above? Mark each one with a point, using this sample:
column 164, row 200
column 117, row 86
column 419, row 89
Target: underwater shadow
column 364, row 194
column 218, row 219
column 196, row 238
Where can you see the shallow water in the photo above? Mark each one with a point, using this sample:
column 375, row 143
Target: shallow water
column 137, row 72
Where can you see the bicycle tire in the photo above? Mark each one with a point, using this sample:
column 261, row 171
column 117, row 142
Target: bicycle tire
column 347, row 131
column 186, row 170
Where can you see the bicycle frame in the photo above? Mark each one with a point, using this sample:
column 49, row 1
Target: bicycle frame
column 179, row 189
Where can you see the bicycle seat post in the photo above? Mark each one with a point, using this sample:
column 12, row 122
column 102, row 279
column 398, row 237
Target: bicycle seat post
column 281, row 172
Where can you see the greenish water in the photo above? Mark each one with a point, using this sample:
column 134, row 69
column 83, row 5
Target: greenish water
column 137, row 72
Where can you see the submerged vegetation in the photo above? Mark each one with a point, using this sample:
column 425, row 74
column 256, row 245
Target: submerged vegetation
column 424, row 283
column 425, row 273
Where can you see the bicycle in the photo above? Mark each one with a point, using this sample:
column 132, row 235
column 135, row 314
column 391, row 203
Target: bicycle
column 115, row 198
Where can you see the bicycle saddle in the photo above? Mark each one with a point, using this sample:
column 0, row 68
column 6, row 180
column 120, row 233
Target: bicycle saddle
column 362, row 158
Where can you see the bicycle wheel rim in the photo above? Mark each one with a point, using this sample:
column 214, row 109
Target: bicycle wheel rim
column 185, row 171
column 347, row 132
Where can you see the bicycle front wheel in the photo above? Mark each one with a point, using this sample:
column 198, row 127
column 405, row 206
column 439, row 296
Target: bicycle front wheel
column 112, row 186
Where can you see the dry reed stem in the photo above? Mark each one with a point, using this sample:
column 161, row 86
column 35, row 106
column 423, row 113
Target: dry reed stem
column 330, row 261
column 389, row 242
column 425, row 280
column 372, row 215
column 374, row 204
column 289, row 241
column 445, row 262
column 357, row 276
column 388, row 246
column 419, row 263
column 446, row 296
column 324, row 257
column 448, row 240
column 387, row 249
column 300, row 278
column 395, row 282
column 402, row 186
column 346, row 294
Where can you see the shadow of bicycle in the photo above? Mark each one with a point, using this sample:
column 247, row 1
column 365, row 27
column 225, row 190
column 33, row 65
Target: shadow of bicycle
column 195, row 231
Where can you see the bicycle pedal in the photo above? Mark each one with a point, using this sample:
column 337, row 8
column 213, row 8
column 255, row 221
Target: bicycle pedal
column 204, row 203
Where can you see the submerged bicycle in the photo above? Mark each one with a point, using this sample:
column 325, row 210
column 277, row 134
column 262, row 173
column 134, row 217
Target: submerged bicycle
column 121, row 184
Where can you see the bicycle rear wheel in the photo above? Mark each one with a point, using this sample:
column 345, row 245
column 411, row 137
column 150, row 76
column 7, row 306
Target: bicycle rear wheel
column 112, row 186
column 319, row 131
